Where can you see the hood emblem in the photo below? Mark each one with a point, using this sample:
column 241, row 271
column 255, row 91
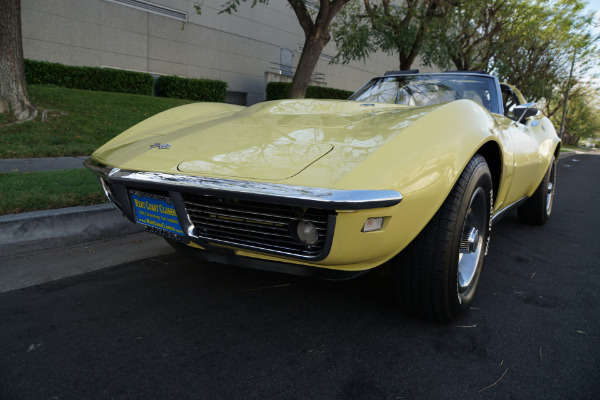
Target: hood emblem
column 160, row 146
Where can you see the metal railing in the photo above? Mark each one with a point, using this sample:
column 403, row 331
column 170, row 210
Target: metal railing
column 288, row 70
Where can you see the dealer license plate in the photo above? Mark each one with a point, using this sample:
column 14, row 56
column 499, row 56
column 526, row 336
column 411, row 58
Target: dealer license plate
column 157, row 214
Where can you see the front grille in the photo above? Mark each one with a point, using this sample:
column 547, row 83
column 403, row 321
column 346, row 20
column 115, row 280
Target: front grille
column 256, row 225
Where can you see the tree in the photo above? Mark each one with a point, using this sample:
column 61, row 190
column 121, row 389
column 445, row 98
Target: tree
column 583, row 114
column 538, row 46
column 316, row 35
column 13, row 91
column 396, row 28
column 469, row 37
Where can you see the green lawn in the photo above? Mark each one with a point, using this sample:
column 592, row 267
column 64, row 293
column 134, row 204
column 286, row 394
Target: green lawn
column 32, row 191
column 566, row 148
column 79, row 123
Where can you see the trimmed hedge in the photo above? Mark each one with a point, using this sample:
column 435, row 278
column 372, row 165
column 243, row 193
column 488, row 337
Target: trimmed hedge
column 279, row 90
column 116, row 80
column 88, row 78
column 191, row 89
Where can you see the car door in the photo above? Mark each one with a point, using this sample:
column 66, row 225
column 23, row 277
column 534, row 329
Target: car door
column 525, row 138
column 526, row 161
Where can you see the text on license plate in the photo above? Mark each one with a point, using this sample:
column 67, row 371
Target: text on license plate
column 156, row 212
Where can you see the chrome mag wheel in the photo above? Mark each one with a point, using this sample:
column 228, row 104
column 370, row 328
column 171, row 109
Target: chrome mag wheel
column 472, row 241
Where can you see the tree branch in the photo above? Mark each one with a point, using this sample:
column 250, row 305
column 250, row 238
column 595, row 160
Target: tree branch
column 303, row 16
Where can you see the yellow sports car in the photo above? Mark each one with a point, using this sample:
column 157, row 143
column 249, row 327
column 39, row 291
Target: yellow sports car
column 412, row 169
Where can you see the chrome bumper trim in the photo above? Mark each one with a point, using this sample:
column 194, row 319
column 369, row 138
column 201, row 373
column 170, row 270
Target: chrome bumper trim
column 329, row 199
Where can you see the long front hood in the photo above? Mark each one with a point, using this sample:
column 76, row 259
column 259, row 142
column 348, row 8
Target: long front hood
column 270, row 141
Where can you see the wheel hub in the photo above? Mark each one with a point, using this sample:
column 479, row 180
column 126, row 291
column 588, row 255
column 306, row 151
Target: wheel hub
column 470, row 240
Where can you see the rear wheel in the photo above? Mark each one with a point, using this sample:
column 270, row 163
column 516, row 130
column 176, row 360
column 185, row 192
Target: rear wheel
column 537, row 208
column 436, row 276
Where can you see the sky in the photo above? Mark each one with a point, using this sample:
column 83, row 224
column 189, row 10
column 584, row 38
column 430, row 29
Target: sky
column 594, row 5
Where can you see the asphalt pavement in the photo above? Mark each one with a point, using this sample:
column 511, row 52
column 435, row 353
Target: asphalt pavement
column 169, row 327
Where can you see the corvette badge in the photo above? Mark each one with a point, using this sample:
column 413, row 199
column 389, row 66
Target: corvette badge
column 160, row 146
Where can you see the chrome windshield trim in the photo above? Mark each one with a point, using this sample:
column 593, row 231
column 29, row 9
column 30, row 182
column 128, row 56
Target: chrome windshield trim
column 330, row 199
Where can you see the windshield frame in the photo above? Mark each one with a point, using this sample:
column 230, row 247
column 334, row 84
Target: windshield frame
column 494, row 85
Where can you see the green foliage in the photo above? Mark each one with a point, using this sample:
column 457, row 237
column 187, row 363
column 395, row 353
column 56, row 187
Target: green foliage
column 539, row 41
column 32, row 191
column 468, row 37
column 402, row 28
column 354, row 37
column 88, row 78
column 279, row 90
column 79, row 123
column 583, row 114
column 191, row 89
column 527, row 43
column 114, row 80
column 319, row 92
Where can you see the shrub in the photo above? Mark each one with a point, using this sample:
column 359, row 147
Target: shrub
column 88, row 78
column 279, row 90
column 191, row 89
column 320, row 92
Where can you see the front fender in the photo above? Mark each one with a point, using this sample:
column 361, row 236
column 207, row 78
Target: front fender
column 423, row 163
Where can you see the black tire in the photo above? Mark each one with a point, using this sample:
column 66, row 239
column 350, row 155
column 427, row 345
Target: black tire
column 426, row 273
column 537, row 208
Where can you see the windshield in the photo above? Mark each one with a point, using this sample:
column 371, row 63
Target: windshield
column 430, row 89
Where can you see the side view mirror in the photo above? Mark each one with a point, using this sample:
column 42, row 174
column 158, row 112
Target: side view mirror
column 523, row 111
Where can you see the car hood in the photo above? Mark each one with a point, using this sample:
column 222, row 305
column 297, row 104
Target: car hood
column 270, row 141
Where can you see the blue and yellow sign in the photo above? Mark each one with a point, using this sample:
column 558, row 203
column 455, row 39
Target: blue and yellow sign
column 156, row 212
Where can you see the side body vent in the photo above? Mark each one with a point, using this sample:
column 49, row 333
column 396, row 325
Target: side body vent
column 152, row 8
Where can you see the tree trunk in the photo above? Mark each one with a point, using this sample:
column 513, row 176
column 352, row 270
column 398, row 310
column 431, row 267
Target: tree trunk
column 308, row 61
column 13, row 91
column 316, row 36
column 406, row 60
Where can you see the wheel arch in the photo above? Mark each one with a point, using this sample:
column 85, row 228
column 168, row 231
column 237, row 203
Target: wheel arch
column 493, row 156
column 557, row 150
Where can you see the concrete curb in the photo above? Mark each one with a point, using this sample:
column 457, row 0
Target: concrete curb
column 44, row 229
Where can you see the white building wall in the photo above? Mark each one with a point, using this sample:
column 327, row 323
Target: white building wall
column 236, row 48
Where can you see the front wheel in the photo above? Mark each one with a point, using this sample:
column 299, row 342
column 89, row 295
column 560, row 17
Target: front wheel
column 436, row 276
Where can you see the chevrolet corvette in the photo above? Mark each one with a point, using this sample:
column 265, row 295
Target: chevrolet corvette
column 411, row 171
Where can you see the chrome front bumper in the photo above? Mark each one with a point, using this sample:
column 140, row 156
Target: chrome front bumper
column 327, row 199
column 257, row 206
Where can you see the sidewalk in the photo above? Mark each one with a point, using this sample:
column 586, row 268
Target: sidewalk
column 32, row 231
column 39, row 230
column 41, row 246
column 41, row 164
